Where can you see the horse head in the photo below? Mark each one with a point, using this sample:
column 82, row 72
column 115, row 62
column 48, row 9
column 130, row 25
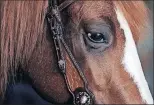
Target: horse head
column 102, row 37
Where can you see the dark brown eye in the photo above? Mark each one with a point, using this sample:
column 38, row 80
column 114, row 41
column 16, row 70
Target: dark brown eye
column 97, row 37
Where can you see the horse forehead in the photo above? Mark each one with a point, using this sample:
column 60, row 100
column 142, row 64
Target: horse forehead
column 91, row 9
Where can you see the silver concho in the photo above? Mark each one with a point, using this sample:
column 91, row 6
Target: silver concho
column 83, row 98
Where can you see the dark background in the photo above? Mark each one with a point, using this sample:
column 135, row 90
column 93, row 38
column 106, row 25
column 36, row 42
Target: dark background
column 145, row 49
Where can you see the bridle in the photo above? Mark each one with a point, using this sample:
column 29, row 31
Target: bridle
column 81, row 94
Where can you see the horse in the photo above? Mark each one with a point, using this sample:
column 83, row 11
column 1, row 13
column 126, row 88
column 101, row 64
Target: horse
column 102, row 37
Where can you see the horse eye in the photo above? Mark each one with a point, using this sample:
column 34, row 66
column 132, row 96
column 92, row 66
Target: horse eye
column 97, row 37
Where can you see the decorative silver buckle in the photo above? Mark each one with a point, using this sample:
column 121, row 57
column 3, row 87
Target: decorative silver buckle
column 83, row 98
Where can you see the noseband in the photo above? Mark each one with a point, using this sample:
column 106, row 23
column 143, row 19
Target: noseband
column 81, row 94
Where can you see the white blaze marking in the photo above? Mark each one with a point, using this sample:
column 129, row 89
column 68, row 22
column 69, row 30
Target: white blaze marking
column 131, row 60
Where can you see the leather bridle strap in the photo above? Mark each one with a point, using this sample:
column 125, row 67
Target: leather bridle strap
column 80, row 92
column 65, row 4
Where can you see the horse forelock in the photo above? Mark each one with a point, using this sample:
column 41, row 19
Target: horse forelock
column 21, row 26
column 136, row 14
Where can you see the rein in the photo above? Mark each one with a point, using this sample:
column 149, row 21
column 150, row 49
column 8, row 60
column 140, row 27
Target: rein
column 81, row 94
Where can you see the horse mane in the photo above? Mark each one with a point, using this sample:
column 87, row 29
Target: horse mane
column 21, row 25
